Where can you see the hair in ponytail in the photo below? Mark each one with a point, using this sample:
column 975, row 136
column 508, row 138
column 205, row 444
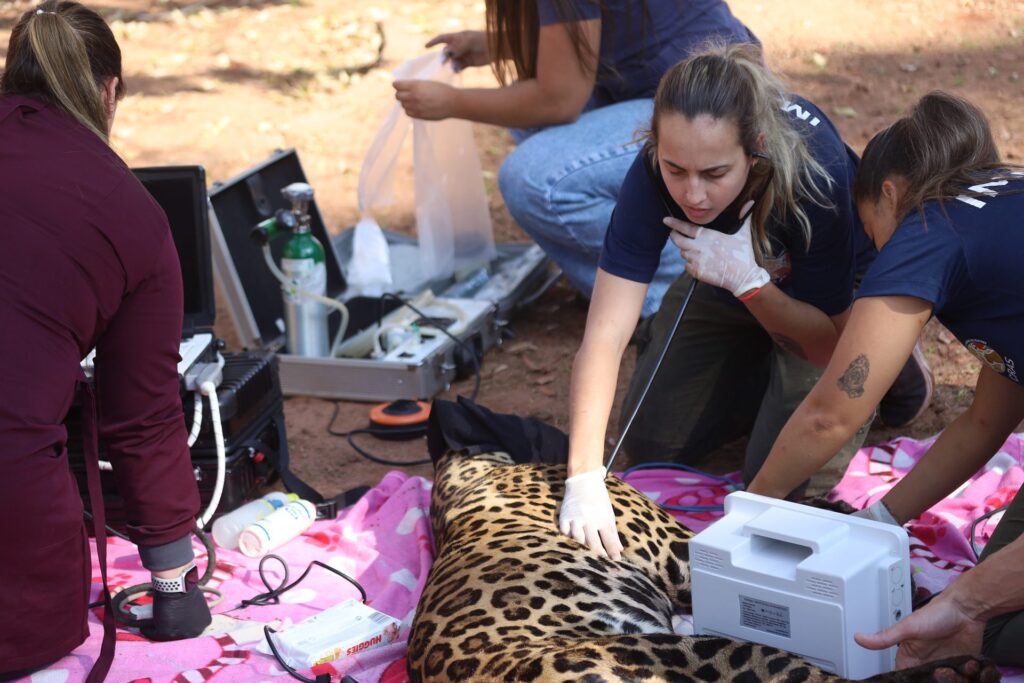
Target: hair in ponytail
column 941, row 149
column 63, row 53
column 732, row 82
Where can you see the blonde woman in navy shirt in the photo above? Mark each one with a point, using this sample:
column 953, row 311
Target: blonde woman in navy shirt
column 945, row 214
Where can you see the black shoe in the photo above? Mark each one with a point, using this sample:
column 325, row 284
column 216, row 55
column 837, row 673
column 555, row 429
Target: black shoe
column 910, row 394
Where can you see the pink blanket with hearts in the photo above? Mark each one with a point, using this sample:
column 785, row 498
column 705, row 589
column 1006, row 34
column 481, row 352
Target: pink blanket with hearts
column 385, row 542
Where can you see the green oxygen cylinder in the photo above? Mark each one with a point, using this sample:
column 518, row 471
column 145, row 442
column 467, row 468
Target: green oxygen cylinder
column 305, row 317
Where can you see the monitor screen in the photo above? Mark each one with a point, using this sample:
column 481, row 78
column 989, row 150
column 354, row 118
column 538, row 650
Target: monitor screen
column 181, row 192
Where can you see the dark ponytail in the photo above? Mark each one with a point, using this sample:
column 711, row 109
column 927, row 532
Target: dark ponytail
column 63, row 53
column 944, row 146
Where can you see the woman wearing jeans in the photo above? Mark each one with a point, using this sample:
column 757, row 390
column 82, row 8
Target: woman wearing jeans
column 577, row 81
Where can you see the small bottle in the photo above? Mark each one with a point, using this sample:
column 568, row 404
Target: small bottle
column 227, row 528
column 277, row 528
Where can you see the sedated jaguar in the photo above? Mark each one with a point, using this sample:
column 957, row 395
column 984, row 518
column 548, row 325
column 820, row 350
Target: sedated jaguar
column 509, row 598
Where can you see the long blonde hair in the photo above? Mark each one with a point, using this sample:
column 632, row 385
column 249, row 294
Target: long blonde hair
column 731, row 82
column 64, row 53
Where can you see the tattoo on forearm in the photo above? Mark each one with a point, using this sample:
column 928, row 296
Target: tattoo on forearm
column 852, row 381
column 790, row 345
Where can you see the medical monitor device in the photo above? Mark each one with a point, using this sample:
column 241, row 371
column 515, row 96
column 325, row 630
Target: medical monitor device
column 181, row 193
column 801, row 579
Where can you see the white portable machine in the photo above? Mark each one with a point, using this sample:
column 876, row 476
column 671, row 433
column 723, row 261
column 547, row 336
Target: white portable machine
column 801, row 579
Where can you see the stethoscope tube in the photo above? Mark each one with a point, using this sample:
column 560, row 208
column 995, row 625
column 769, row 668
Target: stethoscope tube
column 654, row 371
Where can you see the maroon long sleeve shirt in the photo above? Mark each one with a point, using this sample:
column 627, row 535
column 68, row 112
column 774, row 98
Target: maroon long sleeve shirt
column 86, row 259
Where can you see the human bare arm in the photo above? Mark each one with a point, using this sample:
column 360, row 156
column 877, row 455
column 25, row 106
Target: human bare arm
column 962, row 448
column 557, row 95
column 586, row 513
column 798, row 327
column 875, row 344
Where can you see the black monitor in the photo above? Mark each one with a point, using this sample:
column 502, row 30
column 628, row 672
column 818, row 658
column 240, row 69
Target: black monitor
column 181, row 192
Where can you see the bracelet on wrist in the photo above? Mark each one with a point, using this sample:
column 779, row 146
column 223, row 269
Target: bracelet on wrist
column 749, row 295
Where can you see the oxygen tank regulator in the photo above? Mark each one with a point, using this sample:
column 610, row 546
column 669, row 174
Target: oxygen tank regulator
column 302, row 274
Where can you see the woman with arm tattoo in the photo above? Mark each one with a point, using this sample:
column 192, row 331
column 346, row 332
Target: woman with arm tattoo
column 944, row 213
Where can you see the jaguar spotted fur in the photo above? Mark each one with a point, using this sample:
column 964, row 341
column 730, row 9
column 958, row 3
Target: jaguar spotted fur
column 509, row 598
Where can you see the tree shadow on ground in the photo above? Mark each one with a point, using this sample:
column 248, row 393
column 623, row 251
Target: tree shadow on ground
column 139, row 10
column 862, row 92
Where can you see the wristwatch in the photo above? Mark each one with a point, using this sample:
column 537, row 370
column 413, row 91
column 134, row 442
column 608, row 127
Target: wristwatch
column 182, row 583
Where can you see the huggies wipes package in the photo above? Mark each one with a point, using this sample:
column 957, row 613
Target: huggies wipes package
column 346, row 629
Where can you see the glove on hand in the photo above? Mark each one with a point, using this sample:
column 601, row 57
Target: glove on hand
column 178, row 615
column 587, row 513
column 718, row 259
column 878, row 512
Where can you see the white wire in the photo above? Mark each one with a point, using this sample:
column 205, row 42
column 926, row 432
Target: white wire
column 209, row 389
column 290, row 286
column 197, row 418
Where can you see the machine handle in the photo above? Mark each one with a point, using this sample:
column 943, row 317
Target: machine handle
column 797, row 528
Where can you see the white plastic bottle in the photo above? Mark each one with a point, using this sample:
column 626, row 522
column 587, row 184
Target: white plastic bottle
column 277, row 528
column 227, row 528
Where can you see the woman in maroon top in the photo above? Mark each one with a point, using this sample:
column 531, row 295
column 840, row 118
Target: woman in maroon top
column 87, row 260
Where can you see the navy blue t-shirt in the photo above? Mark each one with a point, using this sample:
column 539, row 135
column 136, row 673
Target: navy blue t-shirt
column 964, row 257
column 638, row 47
column 822, row 275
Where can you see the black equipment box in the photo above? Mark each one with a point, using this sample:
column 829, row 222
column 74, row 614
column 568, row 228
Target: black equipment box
column 249, row 396
column 252, row 418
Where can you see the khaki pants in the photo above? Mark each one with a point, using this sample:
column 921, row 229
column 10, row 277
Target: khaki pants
column 1005, row 633
column 722, row 378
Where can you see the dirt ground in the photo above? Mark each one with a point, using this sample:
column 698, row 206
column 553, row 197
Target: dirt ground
column 223, row 83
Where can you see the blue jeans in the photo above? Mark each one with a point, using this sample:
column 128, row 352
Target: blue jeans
column 560, row 184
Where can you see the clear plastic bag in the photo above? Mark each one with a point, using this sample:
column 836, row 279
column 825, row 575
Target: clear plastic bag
column 453, row 223
column 369, row 271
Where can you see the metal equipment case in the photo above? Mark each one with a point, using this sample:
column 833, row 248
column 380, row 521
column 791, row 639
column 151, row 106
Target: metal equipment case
column 253, row 298
column 250, row 397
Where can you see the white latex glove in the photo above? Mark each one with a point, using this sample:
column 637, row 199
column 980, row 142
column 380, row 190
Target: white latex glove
column 587, row 513
column 718, row 259
column 878, row 512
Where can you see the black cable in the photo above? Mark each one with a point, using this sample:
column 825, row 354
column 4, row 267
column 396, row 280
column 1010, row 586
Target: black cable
column 974, row 528
column 650, row 378
column 407, row 432
column 334, row 416
column 112, row 532
column 118, row 602
column 287, row 667
column 272, row 596
column 320, row 678
column 411, row 431
column 391, row 431
column 428, row 320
